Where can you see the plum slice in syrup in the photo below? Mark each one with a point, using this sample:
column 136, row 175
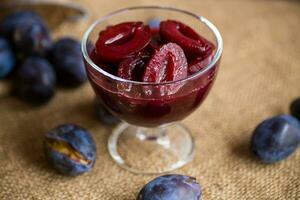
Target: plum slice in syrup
column 167, row 64
column 169, row 52
column 122, row 41
column 191, row 42
column 199, row 63
column 133, row 68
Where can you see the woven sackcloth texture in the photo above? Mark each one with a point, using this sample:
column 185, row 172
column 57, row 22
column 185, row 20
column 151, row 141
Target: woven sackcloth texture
column 259, row 76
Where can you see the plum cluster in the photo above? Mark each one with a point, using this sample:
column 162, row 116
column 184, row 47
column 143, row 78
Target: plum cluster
column 35, row 62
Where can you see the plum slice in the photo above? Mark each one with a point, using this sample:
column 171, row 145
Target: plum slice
column 122, row 41
column 133, row 68
column 110, row 68
column 167, row 64
column 191, row 42
column 199, row 63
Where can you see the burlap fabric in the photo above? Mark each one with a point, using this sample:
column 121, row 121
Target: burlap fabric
column 259, row 76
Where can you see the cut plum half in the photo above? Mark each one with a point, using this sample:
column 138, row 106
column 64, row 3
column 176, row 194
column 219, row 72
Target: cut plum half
column 190, row 41
column 122, row 41
column 133, row 68
column 167, row 64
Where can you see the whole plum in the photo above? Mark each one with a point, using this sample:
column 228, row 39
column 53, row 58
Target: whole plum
column 104, row 115
column 35, row 81
column 32, row 38
column 171, row 187
column 70, row 149
column 68, row 62
column 10, row 22
column 7, row 58
column 276, row 138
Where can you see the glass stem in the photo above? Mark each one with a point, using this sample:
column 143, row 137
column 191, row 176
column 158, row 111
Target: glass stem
column 158, row 134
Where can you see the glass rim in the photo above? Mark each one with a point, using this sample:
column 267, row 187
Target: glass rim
column 202, row 19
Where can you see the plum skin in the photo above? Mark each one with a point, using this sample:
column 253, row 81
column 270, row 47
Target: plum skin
column 276, row 138
column 171, row 187
column 35, row 81
column 7, row 58
column 79, row 140
column 68, row 63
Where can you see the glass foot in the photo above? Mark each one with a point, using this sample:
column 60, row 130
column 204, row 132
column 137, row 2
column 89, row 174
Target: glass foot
column 151, row 150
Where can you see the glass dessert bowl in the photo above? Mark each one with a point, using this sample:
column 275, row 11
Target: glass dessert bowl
column 151, row 101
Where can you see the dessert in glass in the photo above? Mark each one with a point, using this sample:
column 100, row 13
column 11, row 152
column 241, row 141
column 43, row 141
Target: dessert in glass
column 151, row 78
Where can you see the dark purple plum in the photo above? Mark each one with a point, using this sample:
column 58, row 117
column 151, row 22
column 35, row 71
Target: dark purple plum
column 171, row 187
column 10, row 22
column 154, row 23
column 35, row 81
column 276, row 138
column 7, row 58
column 68, row 62
column 295, row 108
column 104, row 115
column 32, row 38
column 70, row 149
